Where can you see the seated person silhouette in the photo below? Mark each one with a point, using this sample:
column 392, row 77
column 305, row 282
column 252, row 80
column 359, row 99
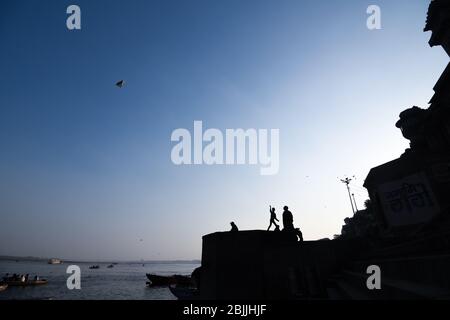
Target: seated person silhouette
column 273, row 218
column 234, row 228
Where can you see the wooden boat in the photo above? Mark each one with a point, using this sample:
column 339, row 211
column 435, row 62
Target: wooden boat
column 54, row 261
column 157, row 280
column 18, row 283
column 185, row 281
column 94, row 267
column 3, row 286
column 110, row 266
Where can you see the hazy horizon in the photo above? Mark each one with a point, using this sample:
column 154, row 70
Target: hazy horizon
column 31, row 258
column 85, row 171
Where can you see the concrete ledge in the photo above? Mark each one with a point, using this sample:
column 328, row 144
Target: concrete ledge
column 268, row 265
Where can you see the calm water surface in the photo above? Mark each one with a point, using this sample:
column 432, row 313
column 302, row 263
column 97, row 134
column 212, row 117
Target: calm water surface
column 124, row 281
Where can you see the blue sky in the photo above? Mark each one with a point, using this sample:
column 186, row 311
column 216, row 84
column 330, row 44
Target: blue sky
column 85, row 169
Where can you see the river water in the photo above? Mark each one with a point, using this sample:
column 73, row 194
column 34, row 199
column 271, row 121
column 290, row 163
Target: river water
column 126, row 281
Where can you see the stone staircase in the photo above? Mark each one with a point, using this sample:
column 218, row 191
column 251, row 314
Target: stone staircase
column 415, row 269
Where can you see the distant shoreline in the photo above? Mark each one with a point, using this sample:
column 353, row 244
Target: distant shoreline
column 40, row 259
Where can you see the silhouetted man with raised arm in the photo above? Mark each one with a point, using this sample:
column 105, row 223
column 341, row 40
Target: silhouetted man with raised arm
column 273, row 218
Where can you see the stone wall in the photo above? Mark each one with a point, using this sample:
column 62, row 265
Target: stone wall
column 269, row 265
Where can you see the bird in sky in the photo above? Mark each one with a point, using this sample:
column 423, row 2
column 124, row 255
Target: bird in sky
column 120, row 83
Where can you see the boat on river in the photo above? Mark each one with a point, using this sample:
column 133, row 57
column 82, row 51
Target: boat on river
column 28, row 283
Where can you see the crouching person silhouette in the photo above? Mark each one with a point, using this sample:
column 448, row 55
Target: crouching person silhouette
column 273, row 218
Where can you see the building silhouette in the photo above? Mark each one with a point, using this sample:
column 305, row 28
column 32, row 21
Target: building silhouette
column 404, row 229
column 414, row 189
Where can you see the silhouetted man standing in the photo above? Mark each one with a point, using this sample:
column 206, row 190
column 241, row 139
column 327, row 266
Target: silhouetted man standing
column 288, row 224
column 288, row 220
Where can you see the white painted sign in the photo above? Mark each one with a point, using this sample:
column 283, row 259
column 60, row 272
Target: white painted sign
column 408, row 201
